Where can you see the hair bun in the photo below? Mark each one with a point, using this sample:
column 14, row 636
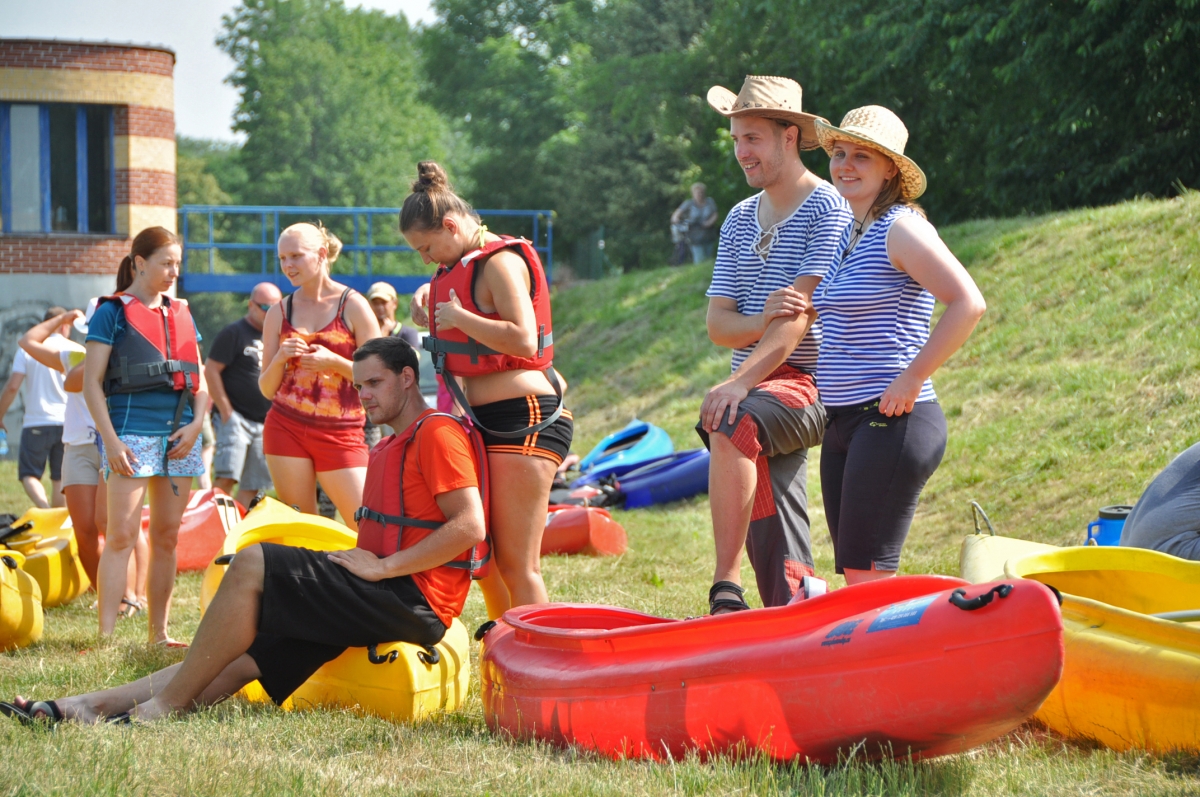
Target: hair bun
column 430, row 177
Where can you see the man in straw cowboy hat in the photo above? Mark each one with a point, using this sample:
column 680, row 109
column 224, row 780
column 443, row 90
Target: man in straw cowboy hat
column 760, row 422
column 886, row 433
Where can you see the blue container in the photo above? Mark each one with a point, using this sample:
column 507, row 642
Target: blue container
column 1107, row 529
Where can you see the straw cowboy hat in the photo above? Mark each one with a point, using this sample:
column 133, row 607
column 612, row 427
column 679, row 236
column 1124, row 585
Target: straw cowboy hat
column 878, row 128
column 769, row 97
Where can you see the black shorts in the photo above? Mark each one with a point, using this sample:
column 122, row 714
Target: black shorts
column 313, row 609
column 39, row 444
column 873, row 469
column 512, row 415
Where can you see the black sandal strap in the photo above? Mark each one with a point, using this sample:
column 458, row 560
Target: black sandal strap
column 731, row 604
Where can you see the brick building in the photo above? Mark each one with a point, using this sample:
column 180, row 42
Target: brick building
column 87, row 160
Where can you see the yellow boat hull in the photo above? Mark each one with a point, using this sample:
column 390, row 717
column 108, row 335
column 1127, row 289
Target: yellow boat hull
column 51, row 555
column 21, row 615
column 1130, row 680
column 402, row 688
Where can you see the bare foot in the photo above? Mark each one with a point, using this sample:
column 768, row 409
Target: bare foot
column 149, row 711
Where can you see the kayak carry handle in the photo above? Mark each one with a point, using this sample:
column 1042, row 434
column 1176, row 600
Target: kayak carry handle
column 976, row 513
column 482, row 630
column 256, row 500
column 429, row 655
column 9, row 562
column 959, row 597
column 13, row 531
column 374, row 657
column 1185, row 616
column 224, row 559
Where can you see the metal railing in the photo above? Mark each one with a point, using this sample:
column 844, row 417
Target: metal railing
column 372, row 249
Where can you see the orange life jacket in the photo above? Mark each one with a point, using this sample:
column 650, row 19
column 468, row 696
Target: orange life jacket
column 456, row 353
column 381, row 528
column 158, row 350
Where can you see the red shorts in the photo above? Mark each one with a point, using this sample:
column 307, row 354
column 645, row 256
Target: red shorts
column 329, row 449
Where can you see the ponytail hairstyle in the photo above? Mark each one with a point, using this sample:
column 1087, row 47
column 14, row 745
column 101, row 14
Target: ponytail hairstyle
column 317, row 236
column 892, row 193
column 431, row 200
column 147, row 242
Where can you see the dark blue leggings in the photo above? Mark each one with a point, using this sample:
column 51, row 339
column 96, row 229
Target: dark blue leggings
column 873, row 469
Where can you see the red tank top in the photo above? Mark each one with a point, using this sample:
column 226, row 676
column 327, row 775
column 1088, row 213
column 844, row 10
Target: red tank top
column 321, row 397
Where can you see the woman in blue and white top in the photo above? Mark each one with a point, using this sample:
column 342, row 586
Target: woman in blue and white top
column 886, row 433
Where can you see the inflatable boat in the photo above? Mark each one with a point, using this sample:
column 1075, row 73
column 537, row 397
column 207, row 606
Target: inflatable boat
column 21, row 615
column 273, row 521
column 209, row 517
column 47, row 541
column 635, row 445
column 920, row 665
column 582, row 530
column 682, row 475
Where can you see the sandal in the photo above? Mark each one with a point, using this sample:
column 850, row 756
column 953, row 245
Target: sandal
column 35, row 712
column 133, row 610
column 725, row 605
column 171, row 644
column 123, row 718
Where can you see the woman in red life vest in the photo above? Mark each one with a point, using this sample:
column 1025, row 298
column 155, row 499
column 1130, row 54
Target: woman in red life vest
column 314, row 429
column 145, row 389
column 488, row 312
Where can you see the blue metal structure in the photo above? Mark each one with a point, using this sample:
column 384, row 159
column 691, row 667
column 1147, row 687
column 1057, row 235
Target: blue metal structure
column 361, row 249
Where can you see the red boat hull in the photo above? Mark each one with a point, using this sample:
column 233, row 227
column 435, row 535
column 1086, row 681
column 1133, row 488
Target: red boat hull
column 583, row 529
column 209, row 516
column 890, row 667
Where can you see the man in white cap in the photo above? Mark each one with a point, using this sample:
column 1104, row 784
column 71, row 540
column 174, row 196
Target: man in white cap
column 760, row 422
column 384, row 302
column 232, row 369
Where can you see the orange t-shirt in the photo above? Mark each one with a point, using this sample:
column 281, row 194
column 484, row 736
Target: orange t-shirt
column 437, row 461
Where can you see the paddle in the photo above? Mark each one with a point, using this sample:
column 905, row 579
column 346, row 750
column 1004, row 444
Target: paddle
column 1185, row 616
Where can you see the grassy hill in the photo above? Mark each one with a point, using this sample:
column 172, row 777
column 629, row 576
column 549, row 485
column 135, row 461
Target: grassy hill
column 1077, row 387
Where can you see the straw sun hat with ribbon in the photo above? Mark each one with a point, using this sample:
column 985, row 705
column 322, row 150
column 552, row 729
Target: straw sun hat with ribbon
column 878, row 128
column 768, row 97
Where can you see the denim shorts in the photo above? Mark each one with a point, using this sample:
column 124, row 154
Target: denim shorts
column 239, row 454
column 149, row 450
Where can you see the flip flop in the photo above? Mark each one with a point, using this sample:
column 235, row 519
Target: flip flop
column 36, row 712
column 123, row 718
column 135, row 608
column 172, row 643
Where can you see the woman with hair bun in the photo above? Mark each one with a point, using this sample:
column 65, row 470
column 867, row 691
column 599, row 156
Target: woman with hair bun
column 488, row 313
column 141, row 369
column 314, row 429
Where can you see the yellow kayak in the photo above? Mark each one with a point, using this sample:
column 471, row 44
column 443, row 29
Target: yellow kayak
column 1130, row 679
column 273, row 521
column 51, row 555
column 20, row 604
column 395, row 680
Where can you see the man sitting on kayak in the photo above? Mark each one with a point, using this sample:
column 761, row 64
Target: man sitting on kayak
column 282, row 612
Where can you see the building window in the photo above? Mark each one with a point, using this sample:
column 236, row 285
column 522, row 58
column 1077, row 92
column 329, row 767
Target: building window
column 56, row 169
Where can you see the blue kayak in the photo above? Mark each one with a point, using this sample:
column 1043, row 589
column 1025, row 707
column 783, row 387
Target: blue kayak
column 638, row 444
column 679, row 476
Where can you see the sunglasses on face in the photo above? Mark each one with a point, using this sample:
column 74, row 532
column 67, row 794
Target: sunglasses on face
column 263, row 307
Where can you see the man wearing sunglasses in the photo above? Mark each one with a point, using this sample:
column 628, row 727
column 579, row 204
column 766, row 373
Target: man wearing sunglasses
column 234, row 361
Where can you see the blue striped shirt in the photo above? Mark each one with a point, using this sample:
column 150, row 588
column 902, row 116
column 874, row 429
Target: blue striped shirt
column 875, row 319
column 806, row 244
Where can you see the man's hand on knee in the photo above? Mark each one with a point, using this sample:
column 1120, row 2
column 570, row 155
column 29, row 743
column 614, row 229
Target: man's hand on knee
column 723, row 398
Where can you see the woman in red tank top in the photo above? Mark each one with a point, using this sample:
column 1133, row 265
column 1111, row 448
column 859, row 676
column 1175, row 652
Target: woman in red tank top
column 314, row 429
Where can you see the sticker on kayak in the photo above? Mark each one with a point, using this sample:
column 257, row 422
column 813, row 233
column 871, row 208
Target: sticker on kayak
column 840, row 634
column 901, row 614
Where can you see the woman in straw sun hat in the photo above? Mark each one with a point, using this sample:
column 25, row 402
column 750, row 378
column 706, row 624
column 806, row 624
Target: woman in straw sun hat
column 886, row 433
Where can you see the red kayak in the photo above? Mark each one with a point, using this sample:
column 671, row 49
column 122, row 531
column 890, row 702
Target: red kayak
column 209, row 516
column 582, row 529
column 927, row 665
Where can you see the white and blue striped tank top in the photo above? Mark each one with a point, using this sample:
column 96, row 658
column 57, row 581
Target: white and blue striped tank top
column 806, row 245
column 875, row 319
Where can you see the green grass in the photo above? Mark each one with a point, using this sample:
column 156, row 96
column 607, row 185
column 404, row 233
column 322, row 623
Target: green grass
column 1076, row 389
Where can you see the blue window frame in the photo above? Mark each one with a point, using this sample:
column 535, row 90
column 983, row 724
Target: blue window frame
column 56, row 168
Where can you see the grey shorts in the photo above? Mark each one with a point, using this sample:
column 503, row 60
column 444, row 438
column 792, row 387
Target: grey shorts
column 239, row 455
column 81, row 465
column 39, row 445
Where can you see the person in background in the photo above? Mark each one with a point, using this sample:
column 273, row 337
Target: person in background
column 886, row 432
column 45, row 409
column 82, row 470
column 314, row 429
column 1167, row 516
column 699, row 215
column 761, row 421
column 208, row 451
column 142, row 367
column 384, row 301
column 232, row 370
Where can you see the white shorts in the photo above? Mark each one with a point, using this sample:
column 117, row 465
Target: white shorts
column 81, row 465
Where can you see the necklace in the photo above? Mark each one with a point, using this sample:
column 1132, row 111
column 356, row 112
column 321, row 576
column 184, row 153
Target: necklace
column 855, row 235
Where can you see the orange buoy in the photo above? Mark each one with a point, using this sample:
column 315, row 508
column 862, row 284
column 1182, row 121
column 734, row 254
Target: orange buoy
column 587, row 530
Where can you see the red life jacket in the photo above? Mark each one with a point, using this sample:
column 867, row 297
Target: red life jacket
column 381, row 528
column 461, row 355
column 158, row 349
